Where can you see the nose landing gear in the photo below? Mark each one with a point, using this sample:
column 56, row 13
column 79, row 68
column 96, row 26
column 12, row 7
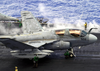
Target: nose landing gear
column 69, row 53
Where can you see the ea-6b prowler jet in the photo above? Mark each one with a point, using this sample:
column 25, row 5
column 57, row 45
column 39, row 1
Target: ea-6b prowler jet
column 37, row 43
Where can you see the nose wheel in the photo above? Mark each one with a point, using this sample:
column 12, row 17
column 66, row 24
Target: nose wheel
column 69, row 53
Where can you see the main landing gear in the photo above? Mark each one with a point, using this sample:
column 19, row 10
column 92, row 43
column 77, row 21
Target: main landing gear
column 35, row 61
column 69, row 53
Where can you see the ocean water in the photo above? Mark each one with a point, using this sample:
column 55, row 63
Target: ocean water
column 62, row 13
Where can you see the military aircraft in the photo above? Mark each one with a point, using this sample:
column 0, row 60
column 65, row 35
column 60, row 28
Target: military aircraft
column 38, row 43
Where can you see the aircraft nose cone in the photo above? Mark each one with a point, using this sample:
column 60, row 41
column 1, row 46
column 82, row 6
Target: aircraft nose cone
column 92, row 38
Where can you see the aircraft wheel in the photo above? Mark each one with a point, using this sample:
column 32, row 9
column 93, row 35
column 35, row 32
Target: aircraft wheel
column 71, row 55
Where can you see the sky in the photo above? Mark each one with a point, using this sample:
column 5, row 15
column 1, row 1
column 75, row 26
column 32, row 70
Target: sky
column 69, row 13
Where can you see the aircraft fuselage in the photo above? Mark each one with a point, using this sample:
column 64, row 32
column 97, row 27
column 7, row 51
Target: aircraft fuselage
column 64, row 40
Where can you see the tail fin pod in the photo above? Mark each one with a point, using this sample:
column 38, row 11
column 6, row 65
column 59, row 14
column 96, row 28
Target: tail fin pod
column 29, row 23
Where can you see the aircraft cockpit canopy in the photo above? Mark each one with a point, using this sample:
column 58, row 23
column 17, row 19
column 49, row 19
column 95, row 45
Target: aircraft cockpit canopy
column 83, row 33
column 73, row 32
column 77, row 32
column 60, row 32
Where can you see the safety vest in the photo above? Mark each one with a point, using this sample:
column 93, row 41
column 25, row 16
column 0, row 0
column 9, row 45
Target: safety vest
column 20, row 25
column 85, row 25
column 36, row 58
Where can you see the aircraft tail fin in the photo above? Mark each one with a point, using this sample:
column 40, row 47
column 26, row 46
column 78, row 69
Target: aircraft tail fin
column 29, row 23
